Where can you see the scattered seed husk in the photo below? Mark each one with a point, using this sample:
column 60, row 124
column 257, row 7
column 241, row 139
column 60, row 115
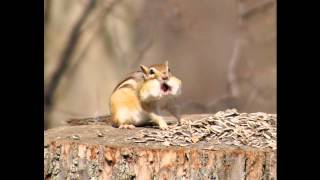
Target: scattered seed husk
column 140, row 141
column 195, row 139
column 100, row 134
column 166, row 143
column 225, row 127
column 74, row 137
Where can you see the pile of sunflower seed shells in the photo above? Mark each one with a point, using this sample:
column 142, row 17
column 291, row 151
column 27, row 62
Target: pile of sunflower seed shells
column 228, row 127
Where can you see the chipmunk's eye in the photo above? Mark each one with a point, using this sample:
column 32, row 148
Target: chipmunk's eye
column 151, row 71
column 169, row 70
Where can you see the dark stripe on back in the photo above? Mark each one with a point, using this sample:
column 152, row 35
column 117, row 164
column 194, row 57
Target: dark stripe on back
column 137, row 76
column 126, row 86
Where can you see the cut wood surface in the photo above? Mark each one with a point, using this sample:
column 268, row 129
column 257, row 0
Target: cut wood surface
column 105, row 152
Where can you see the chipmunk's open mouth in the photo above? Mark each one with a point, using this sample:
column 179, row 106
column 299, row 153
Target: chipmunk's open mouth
column 165, row 87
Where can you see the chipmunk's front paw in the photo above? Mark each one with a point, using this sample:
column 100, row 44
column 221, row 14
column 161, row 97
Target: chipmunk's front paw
column 126, row 126
column 163, row 125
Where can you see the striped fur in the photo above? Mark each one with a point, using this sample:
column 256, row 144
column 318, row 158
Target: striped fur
column 130, row 81
column 135, row 100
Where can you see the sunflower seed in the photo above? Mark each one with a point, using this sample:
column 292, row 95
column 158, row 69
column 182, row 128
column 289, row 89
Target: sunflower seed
column 225, row 127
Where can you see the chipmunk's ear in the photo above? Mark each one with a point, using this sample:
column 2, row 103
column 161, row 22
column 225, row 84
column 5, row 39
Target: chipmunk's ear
column 166, row 63
column 144, row 69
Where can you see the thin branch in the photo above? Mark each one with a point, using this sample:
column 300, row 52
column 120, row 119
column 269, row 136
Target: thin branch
column 233, row 91
column 101, row 15
column 218, row 100
column 66, row 56
column 233, row 85
column 81, row 58
column 142, row 52
column 99, row 20
column 47, row 12
column 254, row 93
column 247, row 12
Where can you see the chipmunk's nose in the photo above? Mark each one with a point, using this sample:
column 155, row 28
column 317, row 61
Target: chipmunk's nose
column 165, row 77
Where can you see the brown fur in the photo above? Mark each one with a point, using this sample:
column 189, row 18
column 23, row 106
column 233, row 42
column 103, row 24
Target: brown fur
column 159, row 67
column 124, row 97
column 162, row 71
column 126, row 106
column 134, row 76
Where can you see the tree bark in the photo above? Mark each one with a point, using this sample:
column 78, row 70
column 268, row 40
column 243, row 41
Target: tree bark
column 104, row 152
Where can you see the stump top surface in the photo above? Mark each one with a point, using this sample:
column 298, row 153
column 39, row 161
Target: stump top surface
column 109, row 136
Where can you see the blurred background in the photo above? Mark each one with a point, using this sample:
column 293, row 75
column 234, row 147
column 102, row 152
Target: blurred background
column 223, row 51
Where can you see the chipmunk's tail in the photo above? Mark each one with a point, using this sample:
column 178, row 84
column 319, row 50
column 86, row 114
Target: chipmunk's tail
column 104, row 119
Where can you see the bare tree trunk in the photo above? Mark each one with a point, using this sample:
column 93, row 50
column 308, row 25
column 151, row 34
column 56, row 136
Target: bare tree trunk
column 65, row 58
column 104, row 152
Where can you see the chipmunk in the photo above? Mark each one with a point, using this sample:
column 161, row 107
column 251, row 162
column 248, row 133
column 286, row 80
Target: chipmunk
column 137, row 100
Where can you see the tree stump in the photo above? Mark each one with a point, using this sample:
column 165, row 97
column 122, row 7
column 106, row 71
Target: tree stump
column 105, row 152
